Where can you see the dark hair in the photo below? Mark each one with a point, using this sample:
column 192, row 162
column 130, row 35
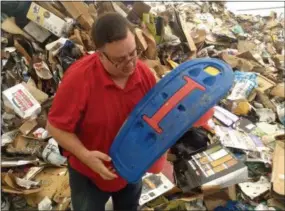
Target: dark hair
column 110, row 27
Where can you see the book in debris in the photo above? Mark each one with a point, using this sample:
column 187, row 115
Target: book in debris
column 215, row 166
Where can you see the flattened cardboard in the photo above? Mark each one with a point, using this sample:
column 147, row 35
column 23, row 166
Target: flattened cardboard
column 264, row 83
column 23, row 145
column 264, row 99
column 251, row 56
column 79, row 11
column 231, row 60
column 76, row 37
column 235, row 62
column 186, row 33
column 278, row 173
column 62, row 192
column 63, row 205
column 51, row 180
column 199, row 36
column 39, row 95
column 142, row 44
column 92, row 11
column 151, row 52
column 9, row 25
column 244, row 46
column 151, row 63
column 28, row 126
column 189, row 39
column 159, row 69
column 72, row 9
column 9, row 185
column 279, row 90
column 105, row 7
column 87, row 41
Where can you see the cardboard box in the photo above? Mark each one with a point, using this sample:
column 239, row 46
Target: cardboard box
column 24, row 104
column 80, row 12
column 46, row 19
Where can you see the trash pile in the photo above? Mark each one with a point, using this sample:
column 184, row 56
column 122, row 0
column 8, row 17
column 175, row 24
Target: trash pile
column 237, row 162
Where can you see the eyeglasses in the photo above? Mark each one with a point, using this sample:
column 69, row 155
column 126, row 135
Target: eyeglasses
column 122, row 61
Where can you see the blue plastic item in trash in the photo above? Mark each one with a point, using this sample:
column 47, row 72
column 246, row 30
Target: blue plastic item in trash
column 167, row 111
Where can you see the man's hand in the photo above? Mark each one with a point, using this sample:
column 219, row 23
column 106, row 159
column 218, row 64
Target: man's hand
column 94, row 160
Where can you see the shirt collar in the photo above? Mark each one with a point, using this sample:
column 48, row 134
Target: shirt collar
column 133, row 80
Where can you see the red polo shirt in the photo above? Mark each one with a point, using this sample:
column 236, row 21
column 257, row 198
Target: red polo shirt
column 89, row 104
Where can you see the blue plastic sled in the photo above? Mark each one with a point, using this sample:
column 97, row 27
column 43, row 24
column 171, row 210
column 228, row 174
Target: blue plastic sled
column 167, row 111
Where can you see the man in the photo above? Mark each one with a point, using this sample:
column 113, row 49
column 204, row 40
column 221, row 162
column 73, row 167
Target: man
column 96, row 95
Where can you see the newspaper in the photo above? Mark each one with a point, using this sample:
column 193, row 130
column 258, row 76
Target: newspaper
column 154, row 185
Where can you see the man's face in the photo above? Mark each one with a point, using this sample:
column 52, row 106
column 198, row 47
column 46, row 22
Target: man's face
column 119, row 58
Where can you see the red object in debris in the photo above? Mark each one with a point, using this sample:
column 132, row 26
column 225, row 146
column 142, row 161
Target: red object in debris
column 203, row 121
column 158, row 166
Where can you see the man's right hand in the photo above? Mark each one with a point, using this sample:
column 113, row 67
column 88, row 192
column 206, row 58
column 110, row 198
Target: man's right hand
column 94, row 160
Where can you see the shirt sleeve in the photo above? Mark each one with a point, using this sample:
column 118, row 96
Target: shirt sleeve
column 69, row 102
